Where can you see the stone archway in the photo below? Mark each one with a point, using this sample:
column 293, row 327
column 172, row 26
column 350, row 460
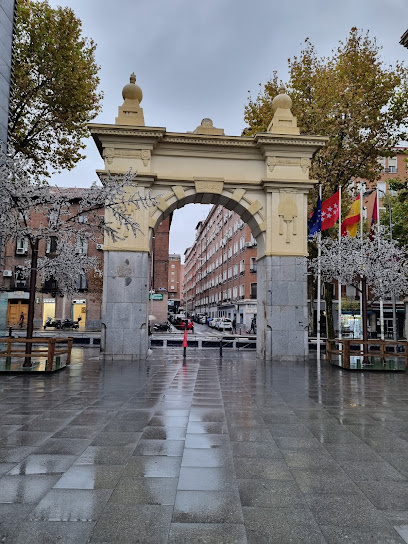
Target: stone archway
column 264, row 178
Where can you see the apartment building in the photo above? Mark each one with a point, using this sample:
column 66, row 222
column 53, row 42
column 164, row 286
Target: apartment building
column 50, row 300
column 176, row 272
column 220, row 268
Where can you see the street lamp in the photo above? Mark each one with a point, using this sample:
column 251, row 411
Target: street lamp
column 394, row 310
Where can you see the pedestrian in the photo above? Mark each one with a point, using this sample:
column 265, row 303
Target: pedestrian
column 234, row 325
column 253, row 325
column 21, row 322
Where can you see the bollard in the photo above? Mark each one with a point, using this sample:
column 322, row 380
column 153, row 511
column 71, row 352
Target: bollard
column 221, row 347
column 185, row 343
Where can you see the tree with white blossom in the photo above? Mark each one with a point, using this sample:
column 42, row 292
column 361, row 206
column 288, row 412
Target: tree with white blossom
column 373, row 261
column 34, row 211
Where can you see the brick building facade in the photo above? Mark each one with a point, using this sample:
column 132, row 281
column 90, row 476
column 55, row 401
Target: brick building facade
column 50, row 300
column 176, row 269
column 160, row 272
column 220, row 269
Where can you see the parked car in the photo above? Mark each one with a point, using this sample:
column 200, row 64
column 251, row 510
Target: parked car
column 202, row 319
column 190, row 325
column 213, row 322
column 224, row 324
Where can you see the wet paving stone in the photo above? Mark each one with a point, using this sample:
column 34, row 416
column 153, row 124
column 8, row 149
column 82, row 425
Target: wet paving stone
column 230, row 452
column 126, row 523
column 71, row 505
column 131, row 490
column 210, row 533
column 90, row 477
column 207, row 507
column 14, row 489
column 43, row 464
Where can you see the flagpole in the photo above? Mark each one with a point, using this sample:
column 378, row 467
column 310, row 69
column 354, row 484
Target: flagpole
column 378, row 234
column 362, row 284
column 338, row 282
column 319, row 273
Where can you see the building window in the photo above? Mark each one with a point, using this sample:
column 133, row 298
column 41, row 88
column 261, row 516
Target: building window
column 392, row 165
column 173, row 266
column 22, row 246
column 51, row 245
column 242, row 268
column 81, row 282
column 20, row 281
column 242, row 291
column 242, row 243
column 253, row 290
column 82, row 246
column 252, row 267
column 235, row 248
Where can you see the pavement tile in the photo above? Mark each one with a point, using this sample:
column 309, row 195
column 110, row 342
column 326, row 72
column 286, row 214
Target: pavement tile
column 121, row 522
column 50, row 532
column 132, row 490
column 207, row 507
column 376, row 535
column 269, row 493
column 43, row 464
column 90, row 477
column 25, row 488
column 71, row 505
column 153, row 466
column 210, row 533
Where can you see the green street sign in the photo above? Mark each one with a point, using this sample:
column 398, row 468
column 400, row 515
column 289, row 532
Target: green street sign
column 156, row 296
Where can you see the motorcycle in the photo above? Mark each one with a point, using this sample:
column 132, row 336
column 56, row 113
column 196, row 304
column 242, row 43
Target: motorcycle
column 70, row 324
column 50, row 322
column 161, row 327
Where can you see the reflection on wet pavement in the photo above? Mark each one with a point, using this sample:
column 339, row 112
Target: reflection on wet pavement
column 225, row 451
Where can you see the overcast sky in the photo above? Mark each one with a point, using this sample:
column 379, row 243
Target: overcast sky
column 196, row 59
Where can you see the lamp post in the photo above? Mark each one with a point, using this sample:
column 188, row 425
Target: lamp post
column 394, row 309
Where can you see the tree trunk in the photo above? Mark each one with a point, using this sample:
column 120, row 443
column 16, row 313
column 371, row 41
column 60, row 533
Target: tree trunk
column 31, row 301
column 328, row 299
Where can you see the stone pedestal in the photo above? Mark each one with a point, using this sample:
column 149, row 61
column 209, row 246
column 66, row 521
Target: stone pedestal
column 125, row 305
column 282, row 321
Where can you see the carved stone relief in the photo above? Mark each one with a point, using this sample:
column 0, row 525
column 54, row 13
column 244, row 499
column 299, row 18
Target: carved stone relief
column 288, row 212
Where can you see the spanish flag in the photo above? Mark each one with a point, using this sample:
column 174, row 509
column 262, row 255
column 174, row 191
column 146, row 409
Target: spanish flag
column 350, row 224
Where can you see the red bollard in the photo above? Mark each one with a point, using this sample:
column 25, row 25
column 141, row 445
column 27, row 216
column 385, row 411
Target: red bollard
column 185, row 342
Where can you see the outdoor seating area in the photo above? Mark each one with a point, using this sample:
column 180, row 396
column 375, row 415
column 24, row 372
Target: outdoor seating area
column 43, row 355
column 357, row 354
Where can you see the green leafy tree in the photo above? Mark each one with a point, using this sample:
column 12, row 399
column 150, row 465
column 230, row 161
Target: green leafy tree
column 353, row 98
column 399, row 211
column 54, row 93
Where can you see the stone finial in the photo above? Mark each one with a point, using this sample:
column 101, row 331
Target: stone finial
column 207, row 127
column 130, row 113
column 283, row 121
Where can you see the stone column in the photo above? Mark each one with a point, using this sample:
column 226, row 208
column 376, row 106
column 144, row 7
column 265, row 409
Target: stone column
column 282, row 320
column 125, row 305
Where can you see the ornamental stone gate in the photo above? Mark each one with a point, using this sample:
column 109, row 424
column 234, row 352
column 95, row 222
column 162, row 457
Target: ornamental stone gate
column 265, row 179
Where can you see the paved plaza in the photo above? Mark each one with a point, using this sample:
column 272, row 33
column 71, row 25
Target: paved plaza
column 230, row 450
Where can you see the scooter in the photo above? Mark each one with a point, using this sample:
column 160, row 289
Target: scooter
column 50, row 322
column 161, row 327
column 70, row 324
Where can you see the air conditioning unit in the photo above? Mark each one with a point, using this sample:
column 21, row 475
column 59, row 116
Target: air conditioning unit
column 99, row 246
column 7, row 273
column 21, row 251
column 248, row 244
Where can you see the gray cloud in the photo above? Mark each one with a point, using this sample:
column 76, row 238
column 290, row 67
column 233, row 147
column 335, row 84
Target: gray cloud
column 198, row 59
